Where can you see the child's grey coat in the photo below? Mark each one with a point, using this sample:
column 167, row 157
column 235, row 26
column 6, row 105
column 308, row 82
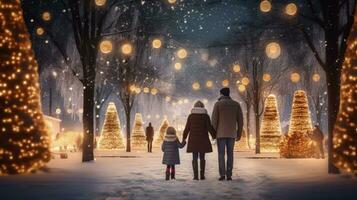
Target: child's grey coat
column 171, row 152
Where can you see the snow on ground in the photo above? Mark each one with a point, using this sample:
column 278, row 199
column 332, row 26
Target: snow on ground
column 120, row 175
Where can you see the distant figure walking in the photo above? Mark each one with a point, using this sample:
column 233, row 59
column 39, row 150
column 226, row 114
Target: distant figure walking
column 149, row 132
column 197, row 127
column 227, row 120
column 170, row 147
column 318, row 137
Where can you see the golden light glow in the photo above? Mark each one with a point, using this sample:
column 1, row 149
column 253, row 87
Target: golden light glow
column 291, row 9
column 225, row 83
column 245, row 81
column 297, row 144
column 209, row 84
column 178, row 66
column 295, row 77
column 24, row 136
column 182, row 53
column 137, row 90
column 127, row 49
column 156, row 43
column 171, row 1
column 265, row 6
column 100, row 2
column 132, row 88
column 270, row 131
column 273, row 50
column 58, row 111
column 168, row 99
column 40, row 31
column 316, row 77
column 266, row 77
column 236, row 68
column 146, row 90
column 138, row 139
column 111, row 136
column 154, row 91
column 196, row 86
column 241, row 88
column 106, row 46
column 46, row 16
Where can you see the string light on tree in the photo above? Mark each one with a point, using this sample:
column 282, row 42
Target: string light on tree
column 146, row 90
column 182, row 53
column 297, row 143
column 345, row 138
column 236, row 68
column 137, row 90
column 46, row 16
column 209, row 84
column 100, row 2
column 162, row 131
column 40, row 31
column 241, row 88
column 126, row 48
column 245, row 81
column 156, row 43
column 154, row 91
column 295, row 77
column 316, row 77
column 270, row 131
column 24, row 139
column 132, row 88
column 172, row 1
column 106, row 46
column 111, row 136
column 265, row 6
column 273, row 50
column 266, row 77
column 178, row 66
column 138, row 139
column 196, row 86
column 225, row 83
column 291, row 9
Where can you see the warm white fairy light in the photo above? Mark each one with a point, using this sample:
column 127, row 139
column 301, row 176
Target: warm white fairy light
column 209, row 84
column 265, row 6
column 241, row 88
column 295, row 77
column 40, row 31
column 46, row 16
column 154, row 91
column 273, row 50
column 182, row 53
column 196, row 86
column 245, row 81
column 156, row 43
column 100, row 2
column 225, row 83
column 266, row 77
column 106, row 46
column 236, row 68
column 177, row 66
column 291, row 9
column 316, row 77
column 24, row 139
column 126, row 48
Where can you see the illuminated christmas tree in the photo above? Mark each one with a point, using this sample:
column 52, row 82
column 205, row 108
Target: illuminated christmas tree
column 162, row 132
column 345, row 133
column 24, row 142
column 111, row 137
column 297, row 144
column 270, row 132
column 300, row 120
column 242, row 144
column 138, row 138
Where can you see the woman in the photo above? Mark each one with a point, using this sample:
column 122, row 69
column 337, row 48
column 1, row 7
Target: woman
column 197, row 127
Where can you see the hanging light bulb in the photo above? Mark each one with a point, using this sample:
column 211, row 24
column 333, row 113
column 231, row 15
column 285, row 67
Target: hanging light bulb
column 156, row 43
column 265, row 6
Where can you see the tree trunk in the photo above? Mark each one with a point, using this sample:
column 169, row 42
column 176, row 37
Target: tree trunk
column 128, row 142
column 50, row 102
column 97, row 121
column 333, row 92
column 257, row 133
column 88, row 122
column 333, row 72
column 248, row 125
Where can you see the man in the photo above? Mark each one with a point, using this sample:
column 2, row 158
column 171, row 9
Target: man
column 227, row 120
column 149, row 136
column 318, row 137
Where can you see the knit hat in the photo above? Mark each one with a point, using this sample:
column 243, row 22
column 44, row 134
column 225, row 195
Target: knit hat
column 225, row 91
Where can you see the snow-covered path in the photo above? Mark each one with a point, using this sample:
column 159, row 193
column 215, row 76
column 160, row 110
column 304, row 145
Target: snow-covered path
column 141, row 176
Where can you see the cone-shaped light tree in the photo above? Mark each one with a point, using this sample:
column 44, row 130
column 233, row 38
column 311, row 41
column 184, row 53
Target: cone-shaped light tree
column 162, row 132
column 138, row 139
column 297, row 144
column 270, row 131
column 24, row 143
column 111, row 137
column 345, row 134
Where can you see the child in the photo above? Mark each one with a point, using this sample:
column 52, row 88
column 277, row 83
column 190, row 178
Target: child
column 170, row 147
